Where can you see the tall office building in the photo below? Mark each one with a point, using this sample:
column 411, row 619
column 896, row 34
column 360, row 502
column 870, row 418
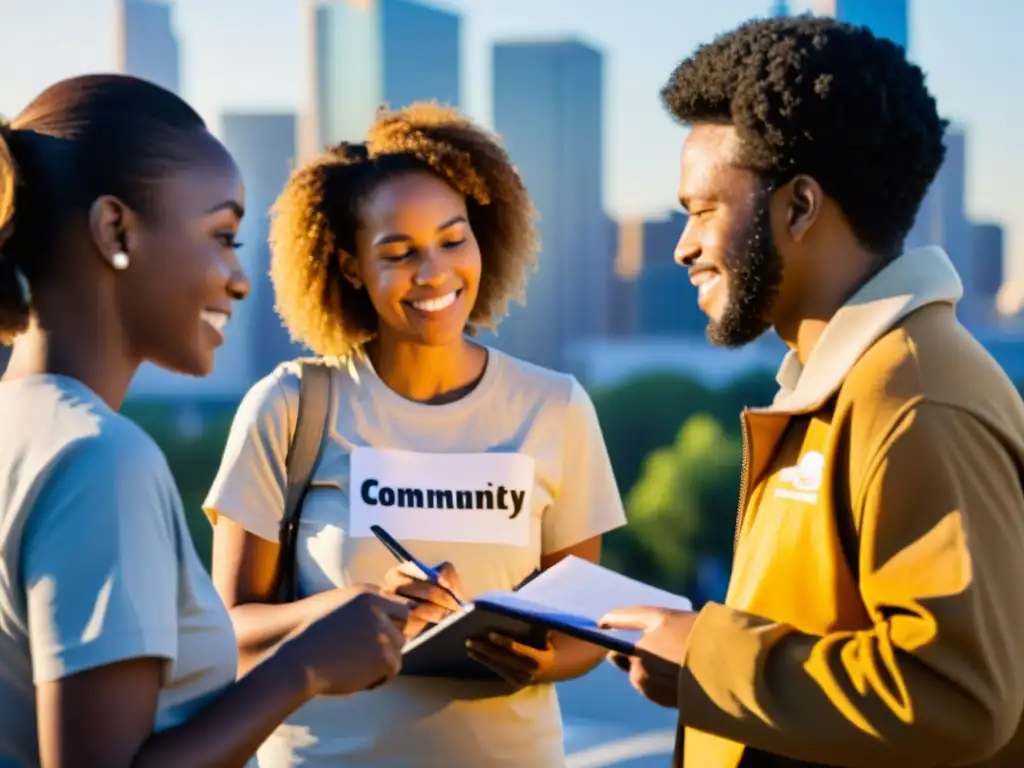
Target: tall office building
column 548, row 108
column 365, row 53
column 987, row 267
column 885, row 18
column 147, row 42
column 264, row 146
column 666, row 301
column 623, row 291
column 942, row 219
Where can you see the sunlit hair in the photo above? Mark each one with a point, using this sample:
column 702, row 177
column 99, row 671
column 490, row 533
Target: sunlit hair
column 317, row 215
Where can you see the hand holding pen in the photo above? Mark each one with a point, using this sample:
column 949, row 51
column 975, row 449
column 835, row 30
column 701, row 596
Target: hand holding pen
column 437, row 592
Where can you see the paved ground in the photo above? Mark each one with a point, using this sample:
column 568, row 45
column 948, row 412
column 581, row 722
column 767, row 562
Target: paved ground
column 608, row 724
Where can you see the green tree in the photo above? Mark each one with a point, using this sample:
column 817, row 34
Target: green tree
column 645, row 413
column 750, row 391
column 642, row 414
column 683, row 505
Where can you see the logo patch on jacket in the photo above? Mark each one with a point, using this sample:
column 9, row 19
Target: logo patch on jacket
column 801, row 483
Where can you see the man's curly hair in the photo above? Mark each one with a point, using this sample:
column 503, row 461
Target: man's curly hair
column 818, row 97
column 317, row 215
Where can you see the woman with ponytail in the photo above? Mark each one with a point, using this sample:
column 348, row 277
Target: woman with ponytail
column 118, row 217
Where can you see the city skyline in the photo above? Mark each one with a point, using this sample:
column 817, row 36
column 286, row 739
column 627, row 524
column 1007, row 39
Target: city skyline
column 606, row 286
column 254, row 62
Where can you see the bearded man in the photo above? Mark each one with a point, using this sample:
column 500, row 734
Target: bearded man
column 875, row 613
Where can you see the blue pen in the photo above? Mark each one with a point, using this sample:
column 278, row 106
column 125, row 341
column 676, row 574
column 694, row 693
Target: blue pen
column 405, row 556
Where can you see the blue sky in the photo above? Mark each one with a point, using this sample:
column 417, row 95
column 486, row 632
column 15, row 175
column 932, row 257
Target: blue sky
column 250, row 54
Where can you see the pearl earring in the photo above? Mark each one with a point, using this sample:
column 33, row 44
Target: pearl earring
column 119, row 260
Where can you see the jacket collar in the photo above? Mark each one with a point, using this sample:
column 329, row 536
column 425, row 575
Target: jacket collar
column 915, row 279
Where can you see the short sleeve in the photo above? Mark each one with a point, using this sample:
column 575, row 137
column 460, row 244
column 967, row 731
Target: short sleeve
column 251, row 483
column 587, row 502
column 100, row 559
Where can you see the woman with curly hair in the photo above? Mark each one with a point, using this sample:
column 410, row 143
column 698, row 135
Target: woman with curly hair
column 387, row 257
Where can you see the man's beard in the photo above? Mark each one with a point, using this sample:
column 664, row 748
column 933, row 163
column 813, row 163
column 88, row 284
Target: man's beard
column 753, row 274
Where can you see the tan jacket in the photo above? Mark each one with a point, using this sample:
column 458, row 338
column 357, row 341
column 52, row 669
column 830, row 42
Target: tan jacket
column 875, row 615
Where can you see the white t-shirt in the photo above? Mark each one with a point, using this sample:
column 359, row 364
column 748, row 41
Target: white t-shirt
column 96, row 562
column 547, row 419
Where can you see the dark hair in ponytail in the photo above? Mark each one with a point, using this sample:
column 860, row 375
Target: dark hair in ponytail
column 13, row 301
column 80, row 139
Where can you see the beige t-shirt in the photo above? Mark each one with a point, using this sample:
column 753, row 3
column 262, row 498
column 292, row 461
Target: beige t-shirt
column 96, row 563
column 529, row 431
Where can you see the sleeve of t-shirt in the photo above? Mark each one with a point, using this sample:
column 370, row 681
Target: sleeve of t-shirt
column 99, row 560
column 587, row 502
column 250, row 485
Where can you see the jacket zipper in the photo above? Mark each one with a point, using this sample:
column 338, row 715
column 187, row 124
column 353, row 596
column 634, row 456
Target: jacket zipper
column 744, row 468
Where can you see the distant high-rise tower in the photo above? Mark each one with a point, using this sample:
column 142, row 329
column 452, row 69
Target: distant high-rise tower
column 885, row 18
column 548, row 108
column 365, row 53
column 942, row 219
column 624, row 277
column 779, row 8
column 667, row 301
column 987, row 267
column 264, row 146
column 148, row 44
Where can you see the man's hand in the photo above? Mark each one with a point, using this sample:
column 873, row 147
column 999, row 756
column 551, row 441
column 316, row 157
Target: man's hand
column 654, row 670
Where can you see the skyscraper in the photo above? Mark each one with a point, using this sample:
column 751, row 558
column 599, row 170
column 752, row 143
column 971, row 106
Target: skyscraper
column 623, row 290
column 264, row 146
column 987, row 266
column 942, row 219
column 885, row 18
column 548, row 108
column 365, row 53
column 667, row 301
column 147, row 42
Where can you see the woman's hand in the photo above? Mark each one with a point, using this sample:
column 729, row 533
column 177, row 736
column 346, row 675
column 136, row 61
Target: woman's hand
column 354, row 647
column 515, row 662
column 432, row 602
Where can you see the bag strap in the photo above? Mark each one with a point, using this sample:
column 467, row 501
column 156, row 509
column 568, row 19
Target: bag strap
column 315, row 394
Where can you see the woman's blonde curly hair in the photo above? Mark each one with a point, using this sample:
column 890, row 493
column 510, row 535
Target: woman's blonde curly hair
column 317, row 214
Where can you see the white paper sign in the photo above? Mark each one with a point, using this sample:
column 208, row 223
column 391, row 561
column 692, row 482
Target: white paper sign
column 481, row 498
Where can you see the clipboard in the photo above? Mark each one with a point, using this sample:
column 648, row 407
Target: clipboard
column 569, row 598
column 440, row 651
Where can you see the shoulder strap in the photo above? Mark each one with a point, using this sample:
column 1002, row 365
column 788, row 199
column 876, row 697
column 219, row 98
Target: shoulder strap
column 303, row 454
